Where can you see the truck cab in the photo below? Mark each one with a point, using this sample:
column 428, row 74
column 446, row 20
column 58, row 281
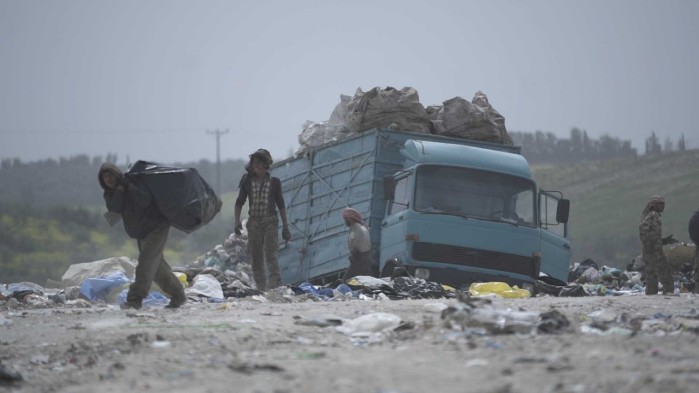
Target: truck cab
column 457, row 214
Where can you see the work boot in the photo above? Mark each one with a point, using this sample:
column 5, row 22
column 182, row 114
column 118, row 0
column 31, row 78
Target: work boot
column 177, row 301
column 651, row 289
column 669, row 289
column 130, row 304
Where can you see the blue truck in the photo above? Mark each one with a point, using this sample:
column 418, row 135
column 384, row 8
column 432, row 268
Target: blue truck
column 450, row 210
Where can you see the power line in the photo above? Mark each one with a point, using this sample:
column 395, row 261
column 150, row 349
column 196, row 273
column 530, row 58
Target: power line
column 94, row 131
column 218, row 134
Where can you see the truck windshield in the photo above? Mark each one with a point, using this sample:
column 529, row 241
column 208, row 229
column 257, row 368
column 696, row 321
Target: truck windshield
column 475, row 193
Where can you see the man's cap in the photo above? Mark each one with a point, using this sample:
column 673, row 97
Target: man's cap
column 264, row 154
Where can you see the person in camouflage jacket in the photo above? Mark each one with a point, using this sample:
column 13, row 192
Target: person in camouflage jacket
column 694, row 235
column 656, row 266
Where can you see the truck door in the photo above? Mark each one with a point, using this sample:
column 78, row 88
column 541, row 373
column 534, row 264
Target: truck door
column 393, row 226
column 555, row 247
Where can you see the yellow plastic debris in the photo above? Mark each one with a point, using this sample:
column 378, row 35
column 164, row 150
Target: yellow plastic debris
column 498, row 288
column 183, row 278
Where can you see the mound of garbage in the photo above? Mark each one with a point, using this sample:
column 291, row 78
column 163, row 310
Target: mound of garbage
column 224, row 274
column 401, row 110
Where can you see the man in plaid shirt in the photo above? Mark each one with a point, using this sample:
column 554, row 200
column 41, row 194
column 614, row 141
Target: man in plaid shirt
column 265, row 195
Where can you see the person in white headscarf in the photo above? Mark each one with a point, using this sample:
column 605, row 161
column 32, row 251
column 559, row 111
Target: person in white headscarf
column 359, row 244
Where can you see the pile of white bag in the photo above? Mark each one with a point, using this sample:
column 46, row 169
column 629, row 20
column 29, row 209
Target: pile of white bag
column 390, row 108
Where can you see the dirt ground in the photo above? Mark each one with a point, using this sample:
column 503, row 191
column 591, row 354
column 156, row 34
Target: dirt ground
column 632, row 343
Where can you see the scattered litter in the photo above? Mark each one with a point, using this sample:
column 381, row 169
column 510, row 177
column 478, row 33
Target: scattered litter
column 318, row 321
column 472, row 312
column 9, row 374
column 499, row 288
column 370, row 323
column 206, row 285
column 435, row 307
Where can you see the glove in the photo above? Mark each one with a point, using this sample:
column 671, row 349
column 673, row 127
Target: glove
column 238, row 228
column 669, row 240
column 286, row 234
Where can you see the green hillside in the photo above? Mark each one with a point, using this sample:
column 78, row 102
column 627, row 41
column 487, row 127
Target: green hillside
column 607, row 198
column 39, row 244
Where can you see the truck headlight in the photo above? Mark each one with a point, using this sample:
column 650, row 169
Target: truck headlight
column 422, row 273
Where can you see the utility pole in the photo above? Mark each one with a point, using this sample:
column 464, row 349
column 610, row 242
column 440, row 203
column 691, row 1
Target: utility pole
column 218, row 134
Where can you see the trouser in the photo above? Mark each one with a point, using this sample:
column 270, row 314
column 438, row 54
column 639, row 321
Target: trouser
column 263, row 245
column 153, row 267
column 360, row 265
column 656, row 267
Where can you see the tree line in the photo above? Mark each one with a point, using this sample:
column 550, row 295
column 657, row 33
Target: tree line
column 73, row 181
column 545, row 147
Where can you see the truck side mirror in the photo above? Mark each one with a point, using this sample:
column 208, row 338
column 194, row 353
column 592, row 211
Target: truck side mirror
column 563, row 210
column 389, row 188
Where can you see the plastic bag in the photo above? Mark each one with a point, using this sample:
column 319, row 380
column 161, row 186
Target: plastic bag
column 181, row 194
column 97, row 288
column 370, row 323
column 498, row 288
column 206, row 285
column 153, row 299
column 182, row 278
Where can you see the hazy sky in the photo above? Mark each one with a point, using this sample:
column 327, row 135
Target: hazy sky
column 146, row 79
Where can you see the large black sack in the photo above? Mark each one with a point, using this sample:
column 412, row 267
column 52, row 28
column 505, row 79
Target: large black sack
column 181, row 194
column 694, row 228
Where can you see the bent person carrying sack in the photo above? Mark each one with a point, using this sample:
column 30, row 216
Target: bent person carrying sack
column 145, row 223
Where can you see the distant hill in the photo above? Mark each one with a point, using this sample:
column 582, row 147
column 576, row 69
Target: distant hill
column 73, row 181
column 607, row 198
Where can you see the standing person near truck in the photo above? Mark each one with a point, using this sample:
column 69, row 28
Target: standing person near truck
column 145, row 223
column 265, row 195
column 359, row 244
column 656, row 266
column 694, row 235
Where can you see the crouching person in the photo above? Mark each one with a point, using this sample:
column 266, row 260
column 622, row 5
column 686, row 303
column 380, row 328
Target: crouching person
column 359, row 244
column 143, row 222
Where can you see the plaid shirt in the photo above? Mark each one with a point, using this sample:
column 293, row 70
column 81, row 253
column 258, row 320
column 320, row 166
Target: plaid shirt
column 264, row 195
column 259, row 198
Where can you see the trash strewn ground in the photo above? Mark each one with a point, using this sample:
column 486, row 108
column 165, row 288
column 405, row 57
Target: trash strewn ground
column 596, row 333
column 251, row 344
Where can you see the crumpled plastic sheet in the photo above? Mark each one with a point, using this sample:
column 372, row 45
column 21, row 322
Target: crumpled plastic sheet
column 418, row 288
column 97, row 288
column 19, row 290
column 206, row 285
column 370, row 323
column 499, row 288
column 325, row 293
column 154, row 299
column 481, row 313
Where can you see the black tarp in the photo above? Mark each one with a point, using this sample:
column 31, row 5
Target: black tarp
column 694, row 228
column 181, row 194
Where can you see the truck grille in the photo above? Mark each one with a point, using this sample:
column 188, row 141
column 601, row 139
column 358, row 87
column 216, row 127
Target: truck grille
column 432, row 252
